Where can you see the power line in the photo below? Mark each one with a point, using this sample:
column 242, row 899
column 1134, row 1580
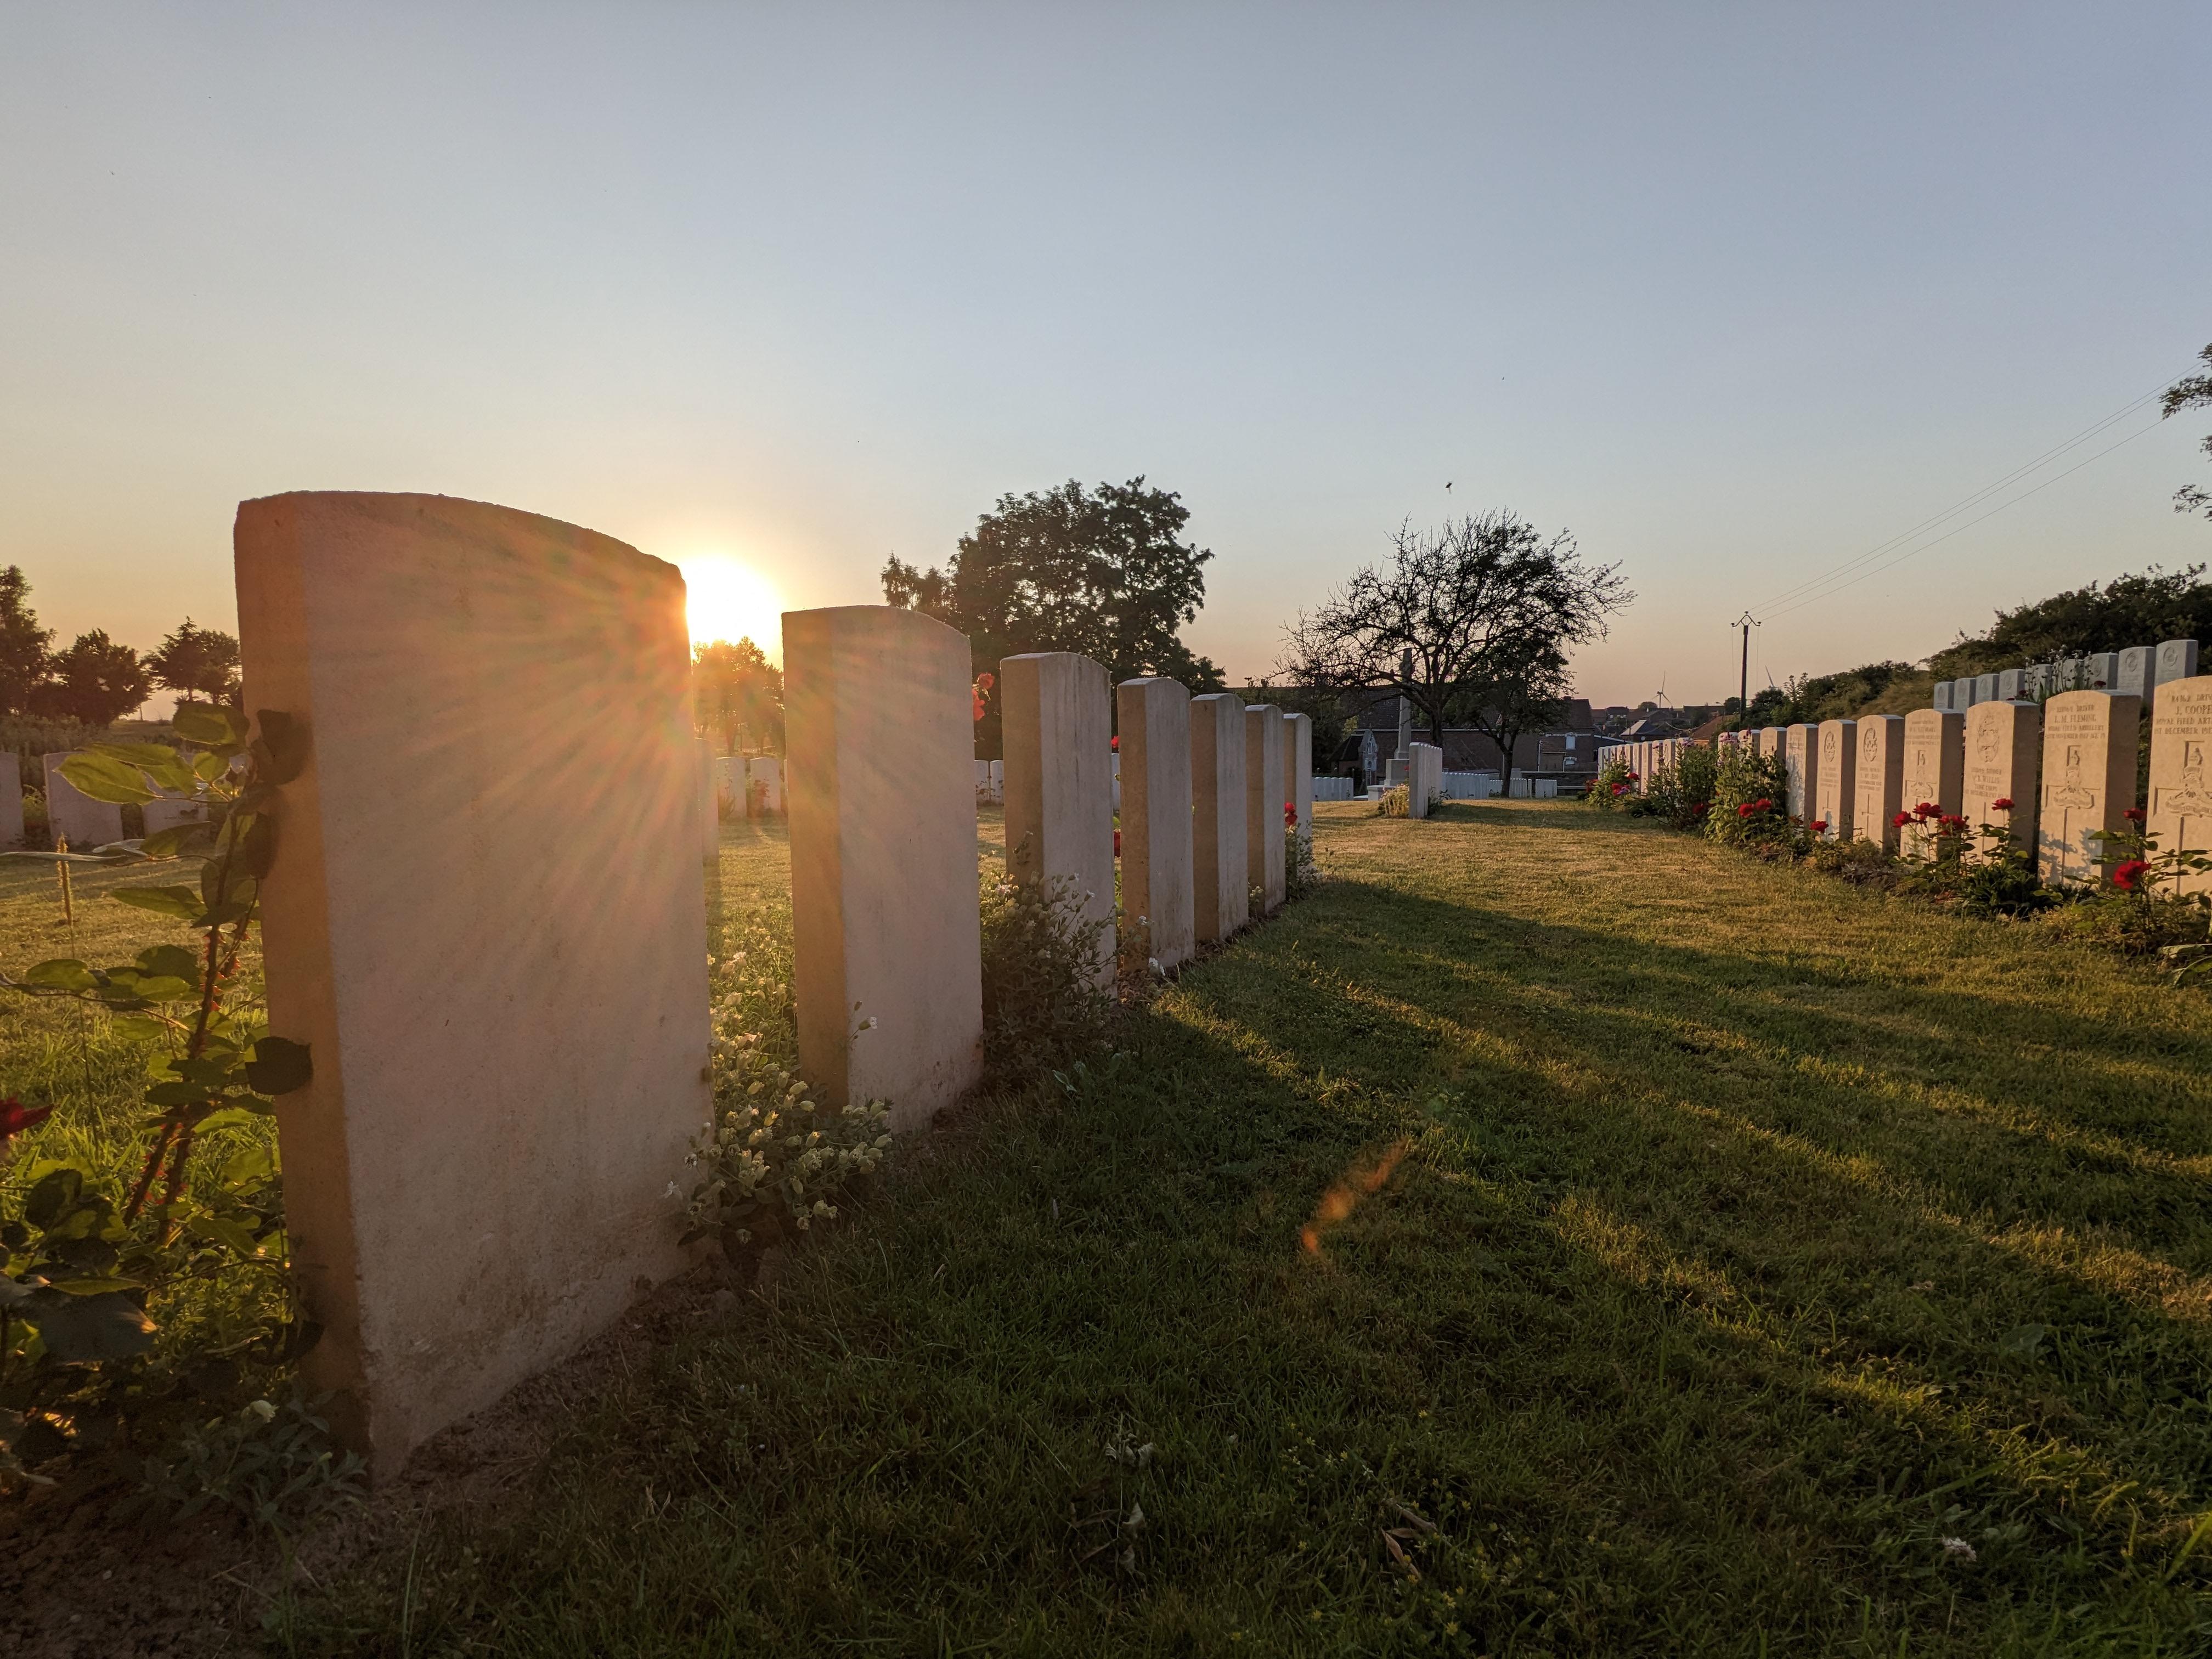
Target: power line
column 1779, row 602
column 1811, row 599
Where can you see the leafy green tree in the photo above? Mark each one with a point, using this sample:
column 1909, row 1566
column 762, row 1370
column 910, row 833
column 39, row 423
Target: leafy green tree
column 1100, row 572
column 24, row 643
column 194, row 658
column 736, row 691
column 96, row 681
column 2193, row 391
column 2140, row 608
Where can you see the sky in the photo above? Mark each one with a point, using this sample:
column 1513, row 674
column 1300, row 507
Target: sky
column 1736, row 294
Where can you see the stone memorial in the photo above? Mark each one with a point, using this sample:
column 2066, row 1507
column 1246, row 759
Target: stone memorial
column 1297, row 766
column 76, row 817
column 1801, row 752
column 12, row 833
column 2003, row 743
column 1835, row 787
column 2137, row 665
column 2088, row 775
column 2010, row 682
column 171, row 810
column 2100, row 671
column 1426, row 783
column 1156, row 817
column 998, row 780
column 767, row 772
column 1985, row 688
column 1878, row 787
column 2175, row 659
column 1934, row 772
column 2181, row 805
column 510, row 1044
column 709, row 817
column 886, row 936
column 1221, row 895
column 1264, row 842
column 1058, row 726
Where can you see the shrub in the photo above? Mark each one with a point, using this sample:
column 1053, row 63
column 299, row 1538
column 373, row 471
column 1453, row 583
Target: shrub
column 1748, row 795
column 1395, row 803
column 1683, row 794
column 1612, row 787
column 2132, row 926
column 1043, row 1003
column 1300, row 874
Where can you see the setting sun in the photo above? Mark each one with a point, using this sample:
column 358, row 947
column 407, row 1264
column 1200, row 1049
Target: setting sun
column 730, row 600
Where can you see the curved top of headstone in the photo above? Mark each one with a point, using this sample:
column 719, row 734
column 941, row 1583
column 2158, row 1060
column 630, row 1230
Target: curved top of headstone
column 452, row 513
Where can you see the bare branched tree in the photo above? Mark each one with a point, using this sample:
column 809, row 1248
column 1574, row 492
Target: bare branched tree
column 1472, row 622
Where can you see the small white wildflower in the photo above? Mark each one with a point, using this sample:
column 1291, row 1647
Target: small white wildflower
column 264, row 1410
column 1958, row 1547
column 1152, row 965
column 672, row 1192
column 869, row 1024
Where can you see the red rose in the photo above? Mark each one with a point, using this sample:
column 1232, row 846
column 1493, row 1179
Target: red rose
column 1817, row 825
column 2129, row 873
column 1114, row 743
column 1289, row 816
column 2001, row 804
column 16, row 1117
column 986, row 680
column 2134, row 813
column 1117, row 843
column 1901, row 820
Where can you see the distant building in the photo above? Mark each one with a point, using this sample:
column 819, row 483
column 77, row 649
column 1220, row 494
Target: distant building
column 1567, row 751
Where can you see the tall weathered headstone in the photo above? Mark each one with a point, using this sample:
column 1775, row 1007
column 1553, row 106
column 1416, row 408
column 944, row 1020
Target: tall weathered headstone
column 1836, row 786
column 886, row 939
column 2009, row 685
column 2180, row 807
column 1986, row 689
column 1426, row 782
column 2175, row 659
column 1058, row 727
column 70, row 813
column 510, row 1042
column 1156, row 817
column 765, row 773
column 2003, row 740
column 1221, row 889
column 2089, row 740
column 709, row 813
column 2138, row 666
column 1263, row 804
column 2103, row 670
column 1878, row 785
column 1801, row 759
column 1935, row 772
column 1297, row 763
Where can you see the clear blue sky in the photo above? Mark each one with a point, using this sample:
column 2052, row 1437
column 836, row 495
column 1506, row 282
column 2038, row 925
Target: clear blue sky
column 1734, row 292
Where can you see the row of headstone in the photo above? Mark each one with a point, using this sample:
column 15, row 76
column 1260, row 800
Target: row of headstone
column 461, row 1066
column 990, row 781
column 2063, row 766
column 2140, row 671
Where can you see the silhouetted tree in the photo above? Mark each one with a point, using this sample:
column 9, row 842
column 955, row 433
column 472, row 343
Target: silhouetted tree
column 1477, row 614
column 2193, row 391
column 23, row 644
column 733, row 686
column 1103, row 573
column 96, row 681
column 193, row 658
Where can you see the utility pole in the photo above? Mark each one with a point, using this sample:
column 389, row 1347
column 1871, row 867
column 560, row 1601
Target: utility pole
column 1743, row 679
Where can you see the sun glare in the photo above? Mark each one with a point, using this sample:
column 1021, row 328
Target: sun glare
column 725, row 599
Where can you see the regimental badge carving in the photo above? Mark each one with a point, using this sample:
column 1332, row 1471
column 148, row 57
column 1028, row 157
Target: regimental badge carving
column 2070, row 792
column 1871, row 743
column 1985, row 743
column 2192, row 793
column 1828, row 744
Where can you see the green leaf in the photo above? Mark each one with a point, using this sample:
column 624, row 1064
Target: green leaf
column 219, row 1230
column 247, row 1167
column 230, row 1117
column 178, row 902
column 137, row 754
column 2023, row 1342
column 167, row 843
column 104, row 778
column 53, row 1196
column 278, row 1066
column 84, row 1330
column 62, row 974
column 177, row 1094
column 139, row 1028
column 256, row 848
column 172, row 960
column 280, row 753
column 210, row 724
column 158, row 987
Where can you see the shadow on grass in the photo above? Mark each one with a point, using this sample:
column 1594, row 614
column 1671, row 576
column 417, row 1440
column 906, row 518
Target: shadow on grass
column 1666, row 1337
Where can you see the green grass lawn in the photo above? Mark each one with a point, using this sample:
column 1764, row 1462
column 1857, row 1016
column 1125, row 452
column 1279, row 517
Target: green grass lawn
column 1554, row 1236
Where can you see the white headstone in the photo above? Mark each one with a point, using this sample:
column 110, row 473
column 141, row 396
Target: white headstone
column 71, row 813
column 1058, row 724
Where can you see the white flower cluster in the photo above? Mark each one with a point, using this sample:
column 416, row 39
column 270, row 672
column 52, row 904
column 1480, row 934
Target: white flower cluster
column 774, row 1157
